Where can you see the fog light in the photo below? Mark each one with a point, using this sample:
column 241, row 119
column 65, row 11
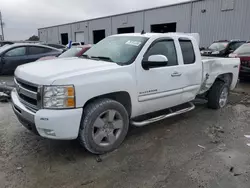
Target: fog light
column 49, row 132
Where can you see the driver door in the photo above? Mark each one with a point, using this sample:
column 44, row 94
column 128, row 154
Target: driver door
column 160, row 87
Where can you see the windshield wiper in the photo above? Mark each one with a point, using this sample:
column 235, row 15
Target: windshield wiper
column 102, row 58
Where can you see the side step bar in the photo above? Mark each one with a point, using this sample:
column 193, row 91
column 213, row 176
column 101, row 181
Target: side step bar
column 171, row 114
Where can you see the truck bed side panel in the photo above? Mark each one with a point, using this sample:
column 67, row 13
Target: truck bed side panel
column 213, row 67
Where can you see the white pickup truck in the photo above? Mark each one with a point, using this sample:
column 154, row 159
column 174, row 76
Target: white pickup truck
column 123, row 80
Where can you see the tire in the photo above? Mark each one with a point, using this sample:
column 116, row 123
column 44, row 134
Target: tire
column 215, row 94
column 96, row 123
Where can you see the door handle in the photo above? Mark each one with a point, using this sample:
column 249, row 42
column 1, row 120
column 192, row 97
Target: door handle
column 175, row 74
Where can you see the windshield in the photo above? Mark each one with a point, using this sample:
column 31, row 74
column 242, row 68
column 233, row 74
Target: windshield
column 119, row 49
column 72, row 52
column 243, row 50
column 218, row 46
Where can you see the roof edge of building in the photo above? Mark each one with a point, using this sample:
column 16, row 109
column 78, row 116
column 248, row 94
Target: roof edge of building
column 163, row 6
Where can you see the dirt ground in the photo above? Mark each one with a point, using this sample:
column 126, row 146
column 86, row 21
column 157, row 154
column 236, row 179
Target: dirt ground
column 203, row 148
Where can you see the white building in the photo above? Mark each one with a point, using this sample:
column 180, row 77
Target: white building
column 213, row 19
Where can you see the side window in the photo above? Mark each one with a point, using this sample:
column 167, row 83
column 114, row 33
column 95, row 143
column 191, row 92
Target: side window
column 47, row 50
column 21, row 51
column 234, row 46
column 37, row 50
column 82, row 43
column 166, row 48
column 187, row 51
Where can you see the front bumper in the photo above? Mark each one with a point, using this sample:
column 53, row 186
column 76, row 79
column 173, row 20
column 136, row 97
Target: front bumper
column 53, row 124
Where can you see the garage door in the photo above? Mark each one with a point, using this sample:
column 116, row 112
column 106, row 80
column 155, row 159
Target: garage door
column 79, row 37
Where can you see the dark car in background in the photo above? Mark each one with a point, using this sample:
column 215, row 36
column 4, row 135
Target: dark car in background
column 243, row 52
column 11, row 56
column 222, row 48
column 72, row 52
column 2, row 43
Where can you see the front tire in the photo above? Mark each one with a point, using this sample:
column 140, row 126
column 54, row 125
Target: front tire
column 218, row 95
column 104, row 126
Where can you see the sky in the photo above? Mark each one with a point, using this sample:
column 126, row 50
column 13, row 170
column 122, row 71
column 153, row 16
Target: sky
column 22, row 18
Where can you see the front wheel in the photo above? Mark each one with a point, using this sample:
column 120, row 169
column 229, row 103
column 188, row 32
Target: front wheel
column 218, row 95
column 104, row 126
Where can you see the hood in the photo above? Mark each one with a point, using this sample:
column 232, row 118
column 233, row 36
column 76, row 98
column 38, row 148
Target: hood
column 46, row 72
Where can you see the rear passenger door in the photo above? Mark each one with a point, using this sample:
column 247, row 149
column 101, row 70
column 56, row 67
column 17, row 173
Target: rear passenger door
column 191, row 68
column 36, row 52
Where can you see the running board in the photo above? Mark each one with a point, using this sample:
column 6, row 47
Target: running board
column 159, row 118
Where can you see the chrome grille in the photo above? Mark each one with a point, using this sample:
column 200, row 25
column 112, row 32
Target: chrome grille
column 29, row 94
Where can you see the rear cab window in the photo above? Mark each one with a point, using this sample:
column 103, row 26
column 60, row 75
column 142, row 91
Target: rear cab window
column 187, row 49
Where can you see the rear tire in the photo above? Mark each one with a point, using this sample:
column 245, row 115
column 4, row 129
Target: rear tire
column 218, row 95
column 104, row 126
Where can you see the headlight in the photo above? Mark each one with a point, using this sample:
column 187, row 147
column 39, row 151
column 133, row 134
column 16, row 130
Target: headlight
column 57, row 97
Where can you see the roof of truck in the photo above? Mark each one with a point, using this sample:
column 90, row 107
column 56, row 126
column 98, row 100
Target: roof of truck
column 149, row 35
column 196, row 36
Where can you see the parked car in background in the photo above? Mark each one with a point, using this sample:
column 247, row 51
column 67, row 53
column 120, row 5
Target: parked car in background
column 222, row 48
column 72, row 52
column 76, row 44
column 2, row 43
column 58, row 46
column 243, row 52
column 11, row 56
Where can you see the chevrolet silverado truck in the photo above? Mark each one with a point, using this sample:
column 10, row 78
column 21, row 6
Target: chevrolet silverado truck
column 128, row 79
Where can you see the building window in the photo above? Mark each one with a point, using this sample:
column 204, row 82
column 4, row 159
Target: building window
column 227, row 5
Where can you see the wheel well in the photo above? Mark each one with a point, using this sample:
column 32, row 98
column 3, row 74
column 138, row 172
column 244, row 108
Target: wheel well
column 226, row 78
column 121, row 97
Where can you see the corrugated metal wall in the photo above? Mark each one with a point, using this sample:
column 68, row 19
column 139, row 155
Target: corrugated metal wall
column 179, row 14
column 128, row 20
column 213, row 23
column 80, row 27
column 53, row 34
column 100, row 24
column 206, row 17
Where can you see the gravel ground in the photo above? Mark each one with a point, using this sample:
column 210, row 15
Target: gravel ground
column 203, row 148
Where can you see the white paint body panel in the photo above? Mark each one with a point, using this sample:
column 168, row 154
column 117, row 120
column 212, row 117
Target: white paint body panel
column 217, row 66
column 93, row 78
column 64, row 123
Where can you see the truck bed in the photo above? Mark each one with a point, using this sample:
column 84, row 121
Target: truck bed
column 214, row 66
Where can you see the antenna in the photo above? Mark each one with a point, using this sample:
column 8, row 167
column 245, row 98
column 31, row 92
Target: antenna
column 143, row 32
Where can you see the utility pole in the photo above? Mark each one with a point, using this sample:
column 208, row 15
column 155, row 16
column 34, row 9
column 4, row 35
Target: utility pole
column 1, row 23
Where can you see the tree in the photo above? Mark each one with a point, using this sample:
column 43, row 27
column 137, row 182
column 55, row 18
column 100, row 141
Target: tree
column 33, row 38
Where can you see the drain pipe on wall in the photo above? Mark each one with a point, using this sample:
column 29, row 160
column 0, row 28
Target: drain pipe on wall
column 191, row 16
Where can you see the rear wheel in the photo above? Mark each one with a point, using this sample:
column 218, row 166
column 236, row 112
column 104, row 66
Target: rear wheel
column 218, row 95
column 104, row 126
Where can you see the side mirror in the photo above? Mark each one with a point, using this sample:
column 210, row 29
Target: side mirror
column 155, row 61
